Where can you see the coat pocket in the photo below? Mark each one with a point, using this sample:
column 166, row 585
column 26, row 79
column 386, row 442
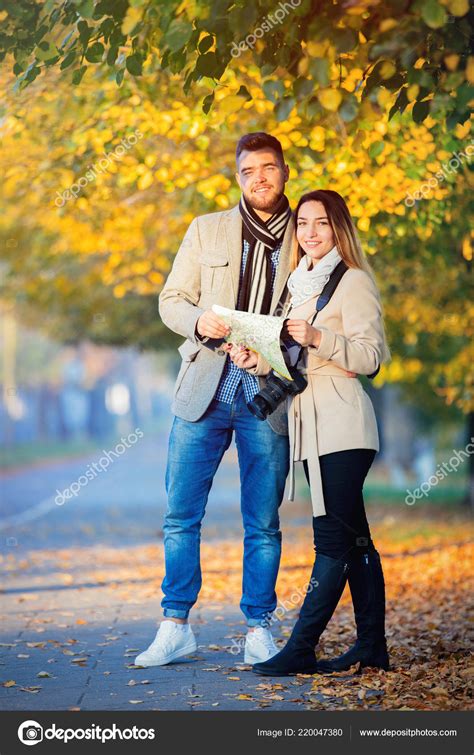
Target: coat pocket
column 185, row 380
column 347, row 390
column 213, row 271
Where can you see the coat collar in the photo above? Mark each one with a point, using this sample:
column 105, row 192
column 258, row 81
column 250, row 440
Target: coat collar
column 233, row 230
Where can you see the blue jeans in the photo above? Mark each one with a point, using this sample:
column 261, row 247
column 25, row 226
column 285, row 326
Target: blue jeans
column 194, row 454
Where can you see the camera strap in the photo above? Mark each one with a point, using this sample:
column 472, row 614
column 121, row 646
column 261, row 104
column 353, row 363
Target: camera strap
column 293, row 350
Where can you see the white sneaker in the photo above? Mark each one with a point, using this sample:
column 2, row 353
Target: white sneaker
column 172, row 641
column 259, row 646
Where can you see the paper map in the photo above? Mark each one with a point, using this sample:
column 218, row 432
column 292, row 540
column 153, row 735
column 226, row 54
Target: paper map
column 259, row 333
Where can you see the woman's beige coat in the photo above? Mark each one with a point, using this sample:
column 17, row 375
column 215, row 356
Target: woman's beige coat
column 334, row 413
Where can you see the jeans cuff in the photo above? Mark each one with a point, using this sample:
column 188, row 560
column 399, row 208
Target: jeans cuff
column 263, row 622
column 175, row 613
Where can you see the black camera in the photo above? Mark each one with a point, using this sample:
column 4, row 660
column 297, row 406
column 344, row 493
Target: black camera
column 275, row 391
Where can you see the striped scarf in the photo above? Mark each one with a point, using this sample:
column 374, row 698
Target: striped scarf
column 263, row 237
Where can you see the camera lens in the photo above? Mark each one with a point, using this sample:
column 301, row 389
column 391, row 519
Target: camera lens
column 259, row 407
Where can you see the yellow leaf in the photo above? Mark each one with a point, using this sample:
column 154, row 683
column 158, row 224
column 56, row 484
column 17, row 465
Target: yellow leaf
column 134, row 15
column 451, row 61
column 145, row 181
column 387, row 69
column 10, row 683
column 470, row 69
column 231, row 104
column 412, row 92
column 458, row 7
column 330, row 99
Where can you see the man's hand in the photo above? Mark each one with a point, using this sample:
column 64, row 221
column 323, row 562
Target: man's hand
column 242, row 357
column 210, row 325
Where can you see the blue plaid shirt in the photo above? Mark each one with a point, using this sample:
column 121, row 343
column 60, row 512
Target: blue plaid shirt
column 233, row 376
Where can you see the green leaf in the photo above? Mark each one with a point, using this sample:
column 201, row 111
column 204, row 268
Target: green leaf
column 177, row 34
column 273, row 90
column 319, row 68
column 95, row 52
column 205, row 44
column 433, row 14
column 112, row 55
column 302, row 88
column 349, row 108
column 209, row 65
column 85, row 8
column 84, row 32
column 284, row 108
column 78, row 75
column 134, row 64
column 68, row 60
column 207, row 103
column 46, row 51
column 376, row 149
column 344, row 39
column 420, row 111
column 119, row 76
column 400, row 104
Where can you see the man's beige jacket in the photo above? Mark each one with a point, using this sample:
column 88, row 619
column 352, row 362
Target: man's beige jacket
column 206, row 271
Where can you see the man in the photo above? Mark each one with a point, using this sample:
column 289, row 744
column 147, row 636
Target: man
column 238, row 258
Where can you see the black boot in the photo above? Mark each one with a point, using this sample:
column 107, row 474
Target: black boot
column 368, row 597
column 326, row 586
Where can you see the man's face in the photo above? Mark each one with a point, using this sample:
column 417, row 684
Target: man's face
column 262, row 178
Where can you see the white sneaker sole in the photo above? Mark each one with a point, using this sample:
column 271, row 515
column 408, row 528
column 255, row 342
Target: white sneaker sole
column 249, row 658
column 186, row 650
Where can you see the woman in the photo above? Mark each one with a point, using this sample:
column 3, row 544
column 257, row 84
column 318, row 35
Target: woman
column 333, row 430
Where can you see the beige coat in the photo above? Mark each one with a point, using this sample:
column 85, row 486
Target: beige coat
column 206, row 271
column 334, row 413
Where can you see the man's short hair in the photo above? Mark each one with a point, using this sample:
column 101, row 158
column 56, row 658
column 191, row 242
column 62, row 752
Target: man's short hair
column 259, row 140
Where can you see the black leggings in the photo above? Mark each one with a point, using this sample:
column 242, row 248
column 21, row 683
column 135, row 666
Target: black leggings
column 344, row 527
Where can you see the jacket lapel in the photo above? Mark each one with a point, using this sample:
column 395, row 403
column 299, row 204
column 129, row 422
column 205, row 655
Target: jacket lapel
column 233, row 231
column 283, row 271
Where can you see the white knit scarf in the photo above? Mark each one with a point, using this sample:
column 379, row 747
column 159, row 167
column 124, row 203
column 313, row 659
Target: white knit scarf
column 303, row 284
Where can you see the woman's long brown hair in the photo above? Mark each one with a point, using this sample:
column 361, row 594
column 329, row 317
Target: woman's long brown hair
column 342, row 225
column 345, row 235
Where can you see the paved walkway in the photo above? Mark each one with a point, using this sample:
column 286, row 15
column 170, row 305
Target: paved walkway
column 75, row 613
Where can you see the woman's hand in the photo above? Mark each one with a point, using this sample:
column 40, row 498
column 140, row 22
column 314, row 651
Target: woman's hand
column 303, row 333
column 242, row 357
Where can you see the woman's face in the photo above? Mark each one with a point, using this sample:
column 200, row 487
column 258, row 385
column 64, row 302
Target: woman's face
column 314, row 234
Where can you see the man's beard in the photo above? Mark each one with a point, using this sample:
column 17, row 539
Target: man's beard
column 264, row 204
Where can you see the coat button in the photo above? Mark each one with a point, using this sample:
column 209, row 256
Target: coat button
column 221, row 353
